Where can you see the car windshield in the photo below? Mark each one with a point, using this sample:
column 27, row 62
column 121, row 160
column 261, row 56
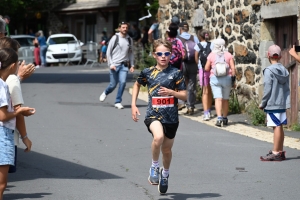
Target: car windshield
column 60, row 40
column 25, row 42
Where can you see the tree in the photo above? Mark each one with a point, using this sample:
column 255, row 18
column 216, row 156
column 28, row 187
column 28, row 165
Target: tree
column 122, row 10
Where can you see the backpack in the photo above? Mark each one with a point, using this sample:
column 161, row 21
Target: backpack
column 189, row 56
column 117, row 41
column 176, row 57
column 203, row 53
column 221, row 67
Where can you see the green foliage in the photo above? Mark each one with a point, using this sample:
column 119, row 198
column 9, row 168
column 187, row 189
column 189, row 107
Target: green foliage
column 257, row 115
column 153, row 8
column 295, row 127
column 234, row 105
column 198, row 93
column 147, row 60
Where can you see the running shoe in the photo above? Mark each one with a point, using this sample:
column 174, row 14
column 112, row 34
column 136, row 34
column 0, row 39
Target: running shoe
column 282, row 154
column 102, row 97
column 273, row 157
column 219, row 122
column 225, row 121
column 163, row 183
column 206, row 117
column 153, row 175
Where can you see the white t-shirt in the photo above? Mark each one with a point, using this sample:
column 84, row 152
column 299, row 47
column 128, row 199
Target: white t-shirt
column 5, row 100
column 198, row 49
column 15, row 91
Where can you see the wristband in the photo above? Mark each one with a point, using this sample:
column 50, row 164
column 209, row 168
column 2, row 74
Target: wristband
column 24, row 137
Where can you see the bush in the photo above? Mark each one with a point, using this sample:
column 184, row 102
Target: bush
column 295, row 127
column 146, row 60
column 234, row 105
column 257, row 115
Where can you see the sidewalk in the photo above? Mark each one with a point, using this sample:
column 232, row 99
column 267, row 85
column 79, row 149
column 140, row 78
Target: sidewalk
column 239, row 123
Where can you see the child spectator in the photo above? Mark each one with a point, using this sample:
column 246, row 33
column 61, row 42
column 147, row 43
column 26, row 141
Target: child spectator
column 275, row 101
column 103, row 51
column 8, row 65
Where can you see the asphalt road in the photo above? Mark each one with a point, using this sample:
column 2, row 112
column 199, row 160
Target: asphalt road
column 85, row 149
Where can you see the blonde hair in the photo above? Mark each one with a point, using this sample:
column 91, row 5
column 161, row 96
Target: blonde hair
column 165, row 43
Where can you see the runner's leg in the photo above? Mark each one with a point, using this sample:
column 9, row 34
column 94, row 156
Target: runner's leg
column 158, row 139
column 166, row 150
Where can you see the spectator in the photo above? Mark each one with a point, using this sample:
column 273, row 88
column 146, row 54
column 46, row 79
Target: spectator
column 9, row 65
column 153, row 33
column 177, row 47
column 203, row 49
column 43, row 47
column 103, row 52
column 36, row 52
column 144, row 39
column 31, row 32
column 275, row 101
column 7, row 21
column 190, row 68
column 2, row 28
column 14, row 86
column 136, row 33
column 120, row 60
column 221, row 83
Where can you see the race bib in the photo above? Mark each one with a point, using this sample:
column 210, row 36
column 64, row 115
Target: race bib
column 162, row 102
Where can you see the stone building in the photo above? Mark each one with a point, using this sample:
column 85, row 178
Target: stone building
column 249, row 27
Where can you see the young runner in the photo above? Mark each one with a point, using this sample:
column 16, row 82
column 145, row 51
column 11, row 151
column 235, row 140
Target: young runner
column 165, row 86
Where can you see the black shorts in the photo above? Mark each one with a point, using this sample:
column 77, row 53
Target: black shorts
column 169, row 129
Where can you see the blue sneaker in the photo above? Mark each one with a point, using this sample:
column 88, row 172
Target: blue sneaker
column 163, row 183
column 154, row 175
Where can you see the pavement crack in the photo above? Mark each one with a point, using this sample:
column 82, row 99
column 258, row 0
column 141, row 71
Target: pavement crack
column 146, row 192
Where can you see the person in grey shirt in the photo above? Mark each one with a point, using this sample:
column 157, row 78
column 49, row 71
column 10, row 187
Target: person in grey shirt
column 120, row 60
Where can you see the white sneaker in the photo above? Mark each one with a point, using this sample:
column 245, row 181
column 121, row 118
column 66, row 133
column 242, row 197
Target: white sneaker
column 37, row 66
column 119, row 106
column 102, row 97
column 205, row 117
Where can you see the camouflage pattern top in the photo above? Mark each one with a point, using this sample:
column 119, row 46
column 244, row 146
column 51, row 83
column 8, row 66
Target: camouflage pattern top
column 171, row 78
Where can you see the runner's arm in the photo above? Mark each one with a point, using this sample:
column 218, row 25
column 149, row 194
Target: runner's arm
column 135, row 93
column 181, row 94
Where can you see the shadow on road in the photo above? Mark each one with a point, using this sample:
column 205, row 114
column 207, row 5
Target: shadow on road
column 35, row 166
column 72, row 78
column 181, row 196
column 15, row 196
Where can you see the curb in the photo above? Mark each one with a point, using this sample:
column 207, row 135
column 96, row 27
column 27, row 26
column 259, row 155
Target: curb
column 241, row 129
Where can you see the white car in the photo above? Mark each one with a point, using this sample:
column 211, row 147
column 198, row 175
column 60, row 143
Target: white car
column 25, row 52
column 63, row 48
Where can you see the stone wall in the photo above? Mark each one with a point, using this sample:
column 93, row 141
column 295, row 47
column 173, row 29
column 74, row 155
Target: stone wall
column 236, row 21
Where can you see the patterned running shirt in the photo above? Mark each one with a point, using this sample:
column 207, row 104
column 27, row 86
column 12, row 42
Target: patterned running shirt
column 171, row 78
